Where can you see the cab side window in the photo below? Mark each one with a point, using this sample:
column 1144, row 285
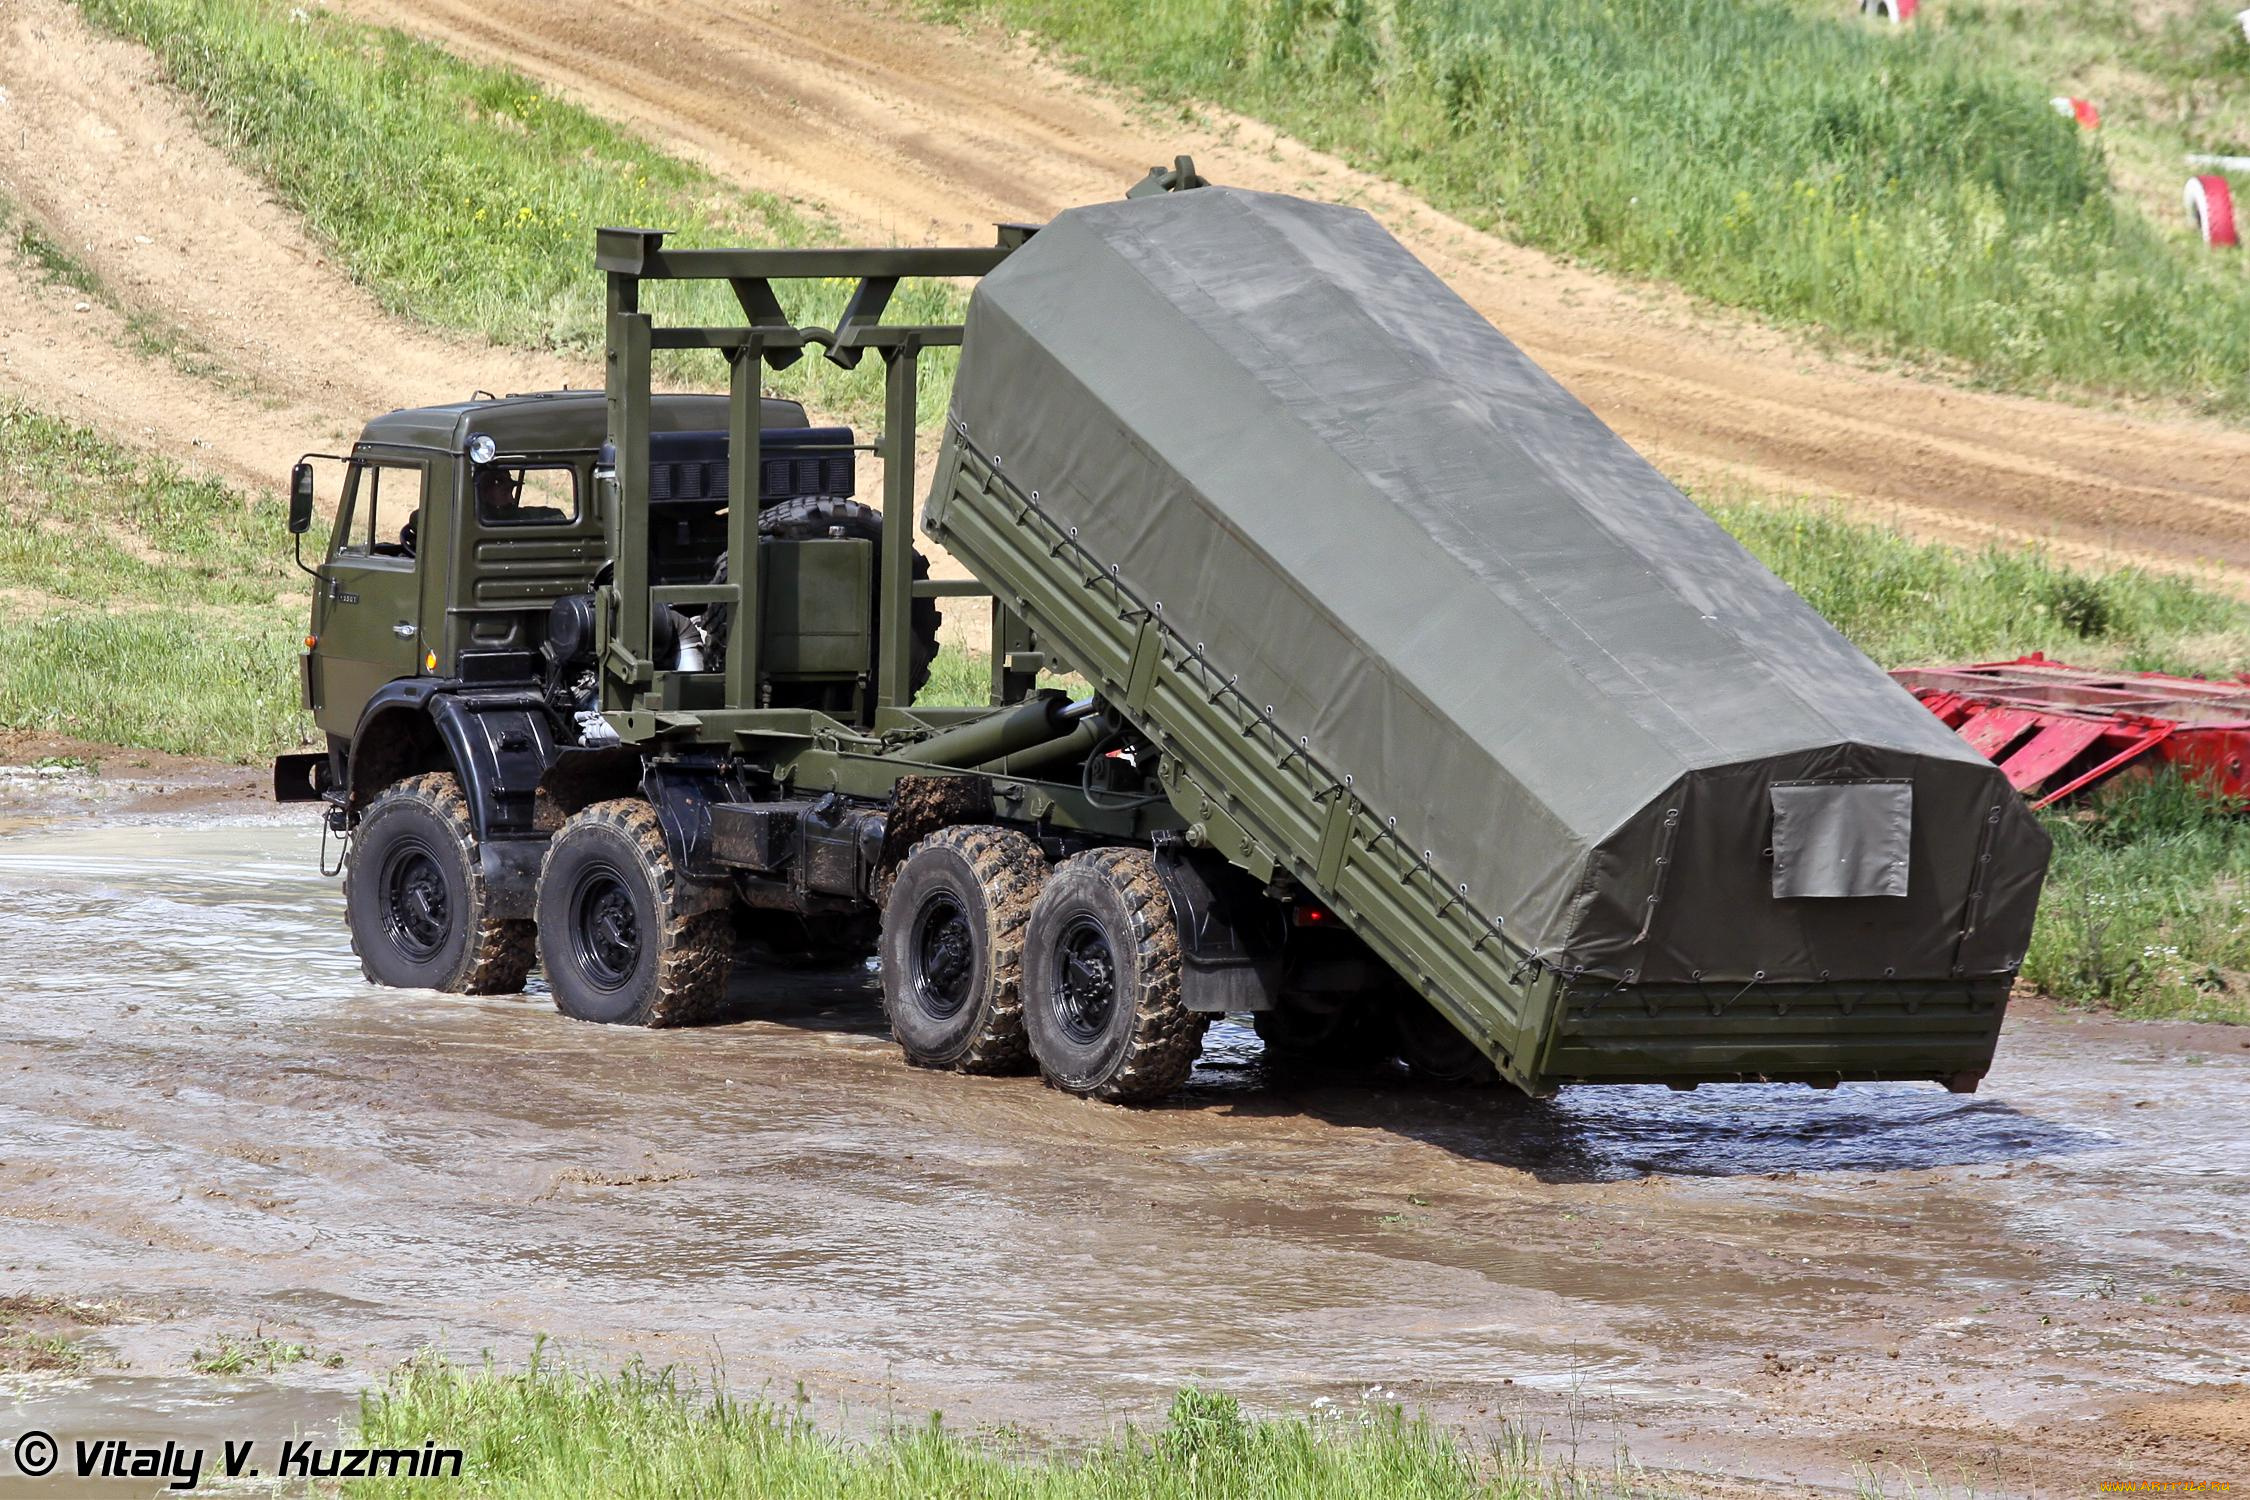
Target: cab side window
column 526, row 494
column 381, row 503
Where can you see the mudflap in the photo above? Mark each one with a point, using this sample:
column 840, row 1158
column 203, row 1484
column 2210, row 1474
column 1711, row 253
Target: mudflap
column 511, row 876
column 1231, row 932
column 501, row 746
column 682, row 792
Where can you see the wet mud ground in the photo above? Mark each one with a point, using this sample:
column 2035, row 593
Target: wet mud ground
column 209, row 1124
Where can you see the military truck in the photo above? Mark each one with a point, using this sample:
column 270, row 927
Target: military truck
column 1416, row 716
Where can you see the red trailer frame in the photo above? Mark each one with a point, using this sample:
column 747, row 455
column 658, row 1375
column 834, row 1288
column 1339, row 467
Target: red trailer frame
column 2054, row 729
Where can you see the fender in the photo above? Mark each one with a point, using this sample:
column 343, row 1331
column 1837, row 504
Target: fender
column 499, row 744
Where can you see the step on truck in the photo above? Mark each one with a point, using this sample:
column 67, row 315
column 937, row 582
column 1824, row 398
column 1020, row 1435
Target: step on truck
column 1409, row 711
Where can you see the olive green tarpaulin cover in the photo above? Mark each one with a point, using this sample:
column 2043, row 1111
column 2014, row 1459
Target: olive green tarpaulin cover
column 1564, row 680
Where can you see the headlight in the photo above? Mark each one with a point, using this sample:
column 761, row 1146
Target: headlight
column 482, row 449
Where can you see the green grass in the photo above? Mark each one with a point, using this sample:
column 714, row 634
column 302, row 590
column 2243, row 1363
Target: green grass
column 2147, row 907
column 467, row 197
column 641, row 1435
column 2169, row 78
column 40, row 1334
column 1906, row 602
column 146, row 607
column 1913, row 192
column 53, row 261
column 252, row 1354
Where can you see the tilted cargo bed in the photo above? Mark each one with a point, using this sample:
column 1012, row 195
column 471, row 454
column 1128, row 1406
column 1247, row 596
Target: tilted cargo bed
column 1416, row 629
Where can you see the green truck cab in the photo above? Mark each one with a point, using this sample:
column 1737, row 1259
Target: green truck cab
column 458, row 526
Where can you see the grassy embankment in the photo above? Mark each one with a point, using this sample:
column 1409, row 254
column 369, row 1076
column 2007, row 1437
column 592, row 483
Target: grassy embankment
column 1912, row 192
column 144, row 607
column 548, row 1433
column 481, row 224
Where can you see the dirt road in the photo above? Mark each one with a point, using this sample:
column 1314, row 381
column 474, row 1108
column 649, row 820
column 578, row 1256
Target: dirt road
column 916, row 132
column 214, row 1127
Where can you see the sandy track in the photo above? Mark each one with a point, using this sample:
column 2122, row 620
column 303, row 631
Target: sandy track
column 915, row 133
column 101, row 156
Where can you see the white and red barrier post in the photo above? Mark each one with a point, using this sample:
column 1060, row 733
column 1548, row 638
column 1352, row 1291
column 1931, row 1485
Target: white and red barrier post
column 2210, row 206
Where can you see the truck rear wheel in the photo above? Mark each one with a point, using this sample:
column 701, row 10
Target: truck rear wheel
column 624, row 937
column 1102, row 981
column 1434, row 1050
column 415, row 898
column 1335, row 1035
column 952, row 948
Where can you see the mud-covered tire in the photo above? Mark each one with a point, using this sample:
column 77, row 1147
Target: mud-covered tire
column 1434, row 1050
column 811, row 518
column 625, row 938
column 415, row 897
column 1102, row 981
column 952, row 949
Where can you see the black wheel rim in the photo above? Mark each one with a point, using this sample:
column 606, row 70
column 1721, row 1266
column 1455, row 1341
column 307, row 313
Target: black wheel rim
column 417, row 907
column 605, row 931
column 945, row 956
column 1085, row 980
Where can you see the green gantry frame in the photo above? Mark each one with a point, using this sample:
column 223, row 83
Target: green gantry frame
column 631, row 685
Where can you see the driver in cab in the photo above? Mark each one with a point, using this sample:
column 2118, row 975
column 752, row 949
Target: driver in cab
column 500, row 498
column 499, row 502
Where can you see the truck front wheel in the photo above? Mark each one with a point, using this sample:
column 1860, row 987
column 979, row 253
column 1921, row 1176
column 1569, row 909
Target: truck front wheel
column 952, row 948
column 415, row 899
column 1102, row 981
column 624, row 937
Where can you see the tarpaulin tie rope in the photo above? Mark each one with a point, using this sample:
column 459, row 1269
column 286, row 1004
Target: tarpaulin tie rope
column 1755, row 980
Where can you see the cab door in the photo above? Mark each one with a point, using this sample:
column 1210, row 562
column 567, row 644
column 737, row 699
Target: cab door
column 367, row 600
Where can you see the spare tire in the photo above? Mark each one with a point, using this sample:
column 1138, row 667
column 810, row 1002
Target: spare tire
column 810, row 519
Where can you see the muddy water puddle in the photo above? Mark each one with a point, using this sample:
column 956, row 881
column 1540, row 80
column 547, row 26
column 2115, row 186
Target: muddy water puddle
column 208, row 1116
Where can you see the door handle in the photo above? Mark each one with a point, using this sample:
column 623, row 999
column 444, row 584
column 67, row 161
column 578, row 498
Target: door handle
column 403, row 631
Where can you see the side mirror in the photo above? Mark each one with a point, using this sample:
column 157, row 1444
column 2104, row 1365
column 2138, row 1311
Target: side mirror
column 300, row 499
